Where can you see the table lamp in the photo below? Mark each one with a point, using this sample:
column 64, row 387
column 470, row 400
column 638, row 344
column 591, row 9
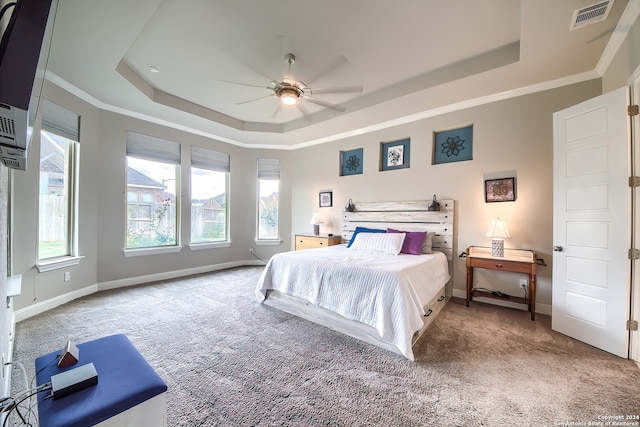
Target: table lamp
column 315, row 220
column 498, row 232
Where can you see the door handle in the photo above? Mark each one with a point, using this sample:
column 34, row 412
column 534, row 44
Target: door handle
column 558, row 248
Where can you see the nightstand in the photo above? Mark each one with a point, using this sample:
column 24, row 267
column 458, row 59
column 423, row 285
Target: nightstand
column 515, row 261
column 310, row 241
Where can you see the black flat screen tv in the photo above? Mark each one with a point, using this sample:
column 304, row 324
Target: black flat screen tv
column 24, row 50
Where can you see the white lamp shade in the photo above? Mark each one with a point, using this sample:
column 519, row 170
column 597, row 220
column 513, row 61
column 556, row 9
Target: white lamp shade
column 498, row 230
column 315, row 219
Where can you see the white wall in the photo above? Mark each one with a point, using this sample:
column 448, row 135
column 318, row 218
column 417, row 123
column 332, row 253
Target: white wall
column 511, row 138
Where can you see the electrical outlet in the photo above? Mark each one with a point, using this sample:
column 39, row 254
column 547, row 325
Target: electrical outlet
column 524, row 283
column 67, row 276
column 251, row 251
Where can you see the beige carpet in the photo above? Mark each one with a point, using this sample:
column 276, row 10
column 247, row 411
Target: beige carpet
column 231, row 361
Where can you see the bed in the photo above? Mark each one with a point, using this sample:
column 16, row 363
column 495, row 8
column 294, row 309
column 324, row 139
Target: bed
column 377, row 296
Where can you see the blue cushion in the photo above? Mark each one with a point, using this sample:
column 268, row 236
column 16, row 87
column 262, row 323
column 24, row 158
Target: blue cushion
column 364, row 230
column 125, row 380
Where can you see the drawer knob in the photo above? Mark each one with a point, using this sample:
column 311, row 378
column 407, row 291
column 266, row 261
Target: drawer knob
column 499, row 265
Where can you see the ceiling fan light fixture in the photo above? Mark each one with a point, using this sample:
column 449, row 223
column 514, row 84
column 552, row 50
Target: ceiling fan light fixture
column 289, row 95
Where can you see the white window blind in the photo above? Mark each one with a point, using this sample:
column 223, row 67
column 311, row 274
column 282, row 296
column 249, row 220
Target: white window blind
column 268, row 169
column 60, row 121
column 152, row 148
column 208, row 159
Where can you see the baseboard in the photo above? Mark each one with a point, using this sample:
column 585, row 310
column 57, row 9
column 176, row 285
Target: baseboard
column 540, row 308
column 47, row 305
column 41, row 307
column 139, row 280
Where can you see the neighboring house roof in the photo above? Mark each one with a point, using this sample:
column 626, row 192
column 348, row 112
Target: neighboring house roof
column 49, row 165
column 139, row 179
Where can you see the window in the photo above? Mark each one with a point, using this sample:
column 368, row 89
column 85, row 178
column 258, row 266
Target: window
column 209, row 193
column 153, row 167
column 57, row 190
column 268, row 187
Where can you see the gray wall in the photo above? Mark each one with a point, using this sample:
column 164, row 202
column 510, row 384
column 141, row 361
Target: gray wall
column 102, row 210
column 625, row 62
column 511, row 138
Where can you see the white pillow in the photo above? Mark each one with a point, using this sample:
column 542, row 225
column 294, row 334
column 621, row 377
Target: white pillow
column 388, row 243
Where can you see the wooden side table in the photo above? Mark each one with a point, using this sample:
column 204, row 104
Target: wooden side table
column 515, row 261
column 310, row 241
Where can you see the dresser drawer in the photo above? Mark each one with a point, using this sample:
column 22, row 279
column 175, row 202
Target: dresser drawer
column 311, row 242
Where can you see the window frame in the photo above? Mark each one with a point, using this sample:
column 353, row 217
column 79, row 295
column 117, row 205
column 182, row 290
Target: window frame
column 267, row 170
column 62, row 123
column 144, row 250
column 211, row 244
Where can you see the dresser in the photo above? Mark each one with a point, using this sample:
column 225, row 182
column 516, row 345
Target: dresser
column 310, row 241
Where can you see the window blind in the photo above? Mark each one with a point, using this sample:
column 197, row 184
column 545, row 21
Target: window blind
column 268, row 169
column 208, row 159
column 60, row 121
column 152, row 148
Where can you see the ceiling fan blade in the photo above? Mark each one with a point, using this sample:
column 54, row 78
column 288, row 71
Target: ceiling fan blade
column 304, row 110
column 324, row 103
column 241, row 84
column 334, row 65
column 248, row 65
column 253, row 100
column 276, row 111
column 342, row 89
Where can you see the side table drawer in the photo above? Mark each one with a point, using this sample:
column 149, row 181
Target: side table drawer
column 492, row 264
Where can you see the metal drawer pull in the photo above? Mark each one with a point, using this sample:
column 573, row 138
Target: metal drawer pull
column 441, row 298
column 428, row 313
column 499, row 265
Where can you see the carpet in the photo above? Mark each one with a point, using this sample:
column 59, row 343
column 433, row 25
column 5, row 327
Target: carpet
column 230, row 361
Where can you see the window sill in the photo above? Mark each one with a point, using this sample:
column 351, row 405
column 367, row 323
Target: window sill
column 151, row 251
column 212, row 245
column 268, row 242
column 56, row 264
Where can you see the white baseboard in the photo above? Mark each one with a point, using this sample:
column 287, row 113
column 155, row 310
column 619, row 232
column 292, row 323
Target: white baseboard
column 43, row 306
column 540, row 308
column 130, row 281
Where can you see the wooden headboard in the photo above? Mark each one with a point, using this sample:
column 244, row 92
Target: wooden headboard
column 405, row 215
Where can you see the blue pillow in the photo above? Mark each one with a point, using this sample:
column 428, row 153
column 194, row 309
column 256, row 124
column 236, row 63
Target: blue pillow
column 364, row 230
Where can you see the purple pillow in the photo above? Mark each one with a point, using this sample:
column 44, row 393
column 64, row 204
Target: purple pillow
column 413, row 241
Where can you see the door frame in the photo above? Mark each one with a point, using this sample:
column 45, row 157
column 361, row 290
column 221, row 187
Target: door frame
column 634, row 336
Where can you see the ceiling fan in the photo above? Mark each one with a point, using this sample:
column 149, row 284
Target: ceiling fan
column 292, row 92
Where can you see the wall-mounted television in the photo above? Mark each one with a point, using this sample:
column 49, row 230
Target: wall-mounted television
column 24, row 51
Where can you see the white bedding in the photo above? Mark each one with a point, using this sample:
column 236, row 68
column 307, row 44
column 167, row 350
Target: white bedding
column 384, row 291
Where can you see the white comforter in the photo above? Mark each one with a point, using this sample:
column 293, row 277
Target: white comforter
column 384, row 291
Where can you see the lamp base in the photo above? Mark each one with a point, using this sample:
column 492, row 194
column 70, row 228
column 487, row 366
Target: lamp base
column 316, row 229
column 497, row 247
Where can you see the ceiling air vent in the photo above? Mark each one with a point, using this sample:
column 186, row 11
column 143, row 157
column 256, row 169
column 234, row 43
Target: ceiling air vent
column 590, row 14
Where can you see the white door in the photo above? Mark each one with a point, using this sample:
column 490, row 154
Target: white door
column 592, row 222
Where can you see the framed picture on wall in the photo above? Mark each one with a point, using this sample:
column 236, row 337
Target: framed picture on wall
column 500, row 190
column 453, row 145
column 351, row 162
column 326, row 199
column 395, row 155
